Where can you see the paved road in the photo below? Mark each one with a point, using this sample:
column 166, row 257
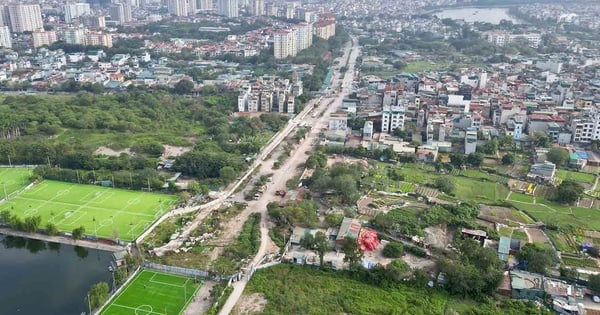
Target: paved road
column 299, row 156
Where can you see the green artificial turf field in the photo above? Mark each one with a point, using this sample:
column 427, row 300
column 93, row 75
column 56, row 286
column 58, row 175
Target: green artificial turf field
column 152, row 292
column 13, row 179
column 104, row 212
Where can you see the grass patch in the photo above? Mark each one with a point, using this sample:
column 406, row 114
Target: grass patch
column 104, row 212
column 478, row 191
column 13, row 179
column 152, row 292
column 291, row 289
column 520, row 235
column 521, row 197
column 585, row 178
column 505, row 231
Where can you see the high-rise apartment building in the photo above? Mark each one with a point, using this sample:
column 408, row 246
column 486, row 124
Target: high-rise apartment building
column 177, row 7
column 258, row 7
column 41, row 38
column 74, row 36
column 95, row 22
column 76, row 10
column 120, row 13
column 228, row 8
column 206, row 5
column 98, row 39
column 304, row 36
column 284, row 43
column 5, row 37
column 25, row 17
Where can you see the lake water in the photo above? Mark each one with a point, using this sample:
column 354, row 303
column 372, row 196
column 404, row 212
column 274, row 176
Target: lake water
column 490, row 15
column 48, row 278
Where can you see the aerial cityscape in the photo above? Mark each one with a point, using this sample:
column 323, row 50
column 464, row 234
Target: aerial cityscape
column 299, row 157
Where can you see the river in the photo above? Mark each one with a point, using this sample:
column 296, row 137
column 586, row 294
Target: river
column 490, row 15
column 37, row 277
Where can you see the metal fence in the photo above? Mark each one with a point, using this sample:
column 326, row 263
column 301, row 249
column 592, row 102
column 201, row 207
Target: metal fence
column 176, row 270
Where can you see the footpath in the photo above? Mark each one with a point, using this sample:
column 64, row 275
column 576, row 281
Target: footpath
column 63, row 240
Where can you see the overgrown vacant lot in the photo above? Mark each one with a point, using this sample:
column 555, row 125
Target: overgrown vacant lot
column 291, row 289
column 104, row 212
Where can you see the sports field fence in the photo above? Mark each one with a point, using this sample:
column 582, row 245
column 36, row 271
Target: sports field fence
column 177, row 270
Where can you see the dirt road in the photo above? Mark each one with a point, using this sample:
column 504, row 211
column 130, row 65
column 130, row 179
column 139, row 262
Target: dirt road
column 288, row 170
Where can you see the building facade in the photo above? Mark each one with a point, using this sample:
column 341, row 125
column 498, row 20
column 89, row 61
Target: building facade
column 25, row 17
column 76, row 10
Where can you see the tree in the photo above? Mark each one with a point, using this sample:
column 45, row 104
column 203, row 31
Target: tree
column 51, row 229
column 397, row 270
column 508, row 159
column 457, row 160
column 307, row 241
column 120, row 276
column 445, row 184
column 5, row 217
column 393, row 250
column 32, row 223
column 352, row 254
column 475, row 159
column 558, row 156
column 227, row 174
column 594, row 283
column 183, row 87
column 321, row 244
column 78, row 232
column 569, row 191
column 97, row 295
column 537, row 258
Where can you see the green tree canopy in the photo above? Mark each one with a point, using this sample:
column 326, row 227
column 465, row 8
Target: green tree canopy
column 558, row 156
column 569, row 191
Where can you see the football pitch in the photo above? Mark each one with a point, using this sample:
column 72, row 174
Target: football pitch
column 13, row 179
column 104, row 212
column 153, row 293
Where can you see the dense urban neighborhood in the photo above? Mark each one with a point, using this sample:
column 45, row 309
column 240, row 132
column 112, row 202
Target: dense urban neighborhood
column 252, row 156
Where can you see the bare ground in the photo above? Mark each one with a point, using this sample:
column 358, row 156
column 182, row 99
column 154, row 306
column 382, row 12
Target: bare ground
column 110, row 152
column 250, row 304
column 417, row 262
column 536, row 236
column 175, row 151
column 438, row 236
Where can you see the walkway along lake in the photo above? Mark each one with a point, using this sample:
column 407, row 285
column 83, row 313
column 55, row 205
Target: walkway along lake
column 38, row 277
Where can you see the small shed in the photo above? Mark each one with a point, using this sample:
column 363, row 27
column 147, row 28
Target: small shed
column 477, row 235
column 508, row 247
column 119, row 258
column 526, row 285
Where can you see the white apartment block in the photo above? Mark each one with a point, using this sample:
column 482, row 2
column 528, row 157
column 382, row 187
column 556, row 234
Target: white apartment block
column 98, row 39
column 41, row 38
column 177, row 7
column 76, row 10
column 471, row 141
column 501, row 39
column 5, row 37
column 74, row 36
column 243, row 98
column 324, row 29
column 284, row 43
column 587, row 128
column 392, row 118
column 25, row 17
column 304, row 36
